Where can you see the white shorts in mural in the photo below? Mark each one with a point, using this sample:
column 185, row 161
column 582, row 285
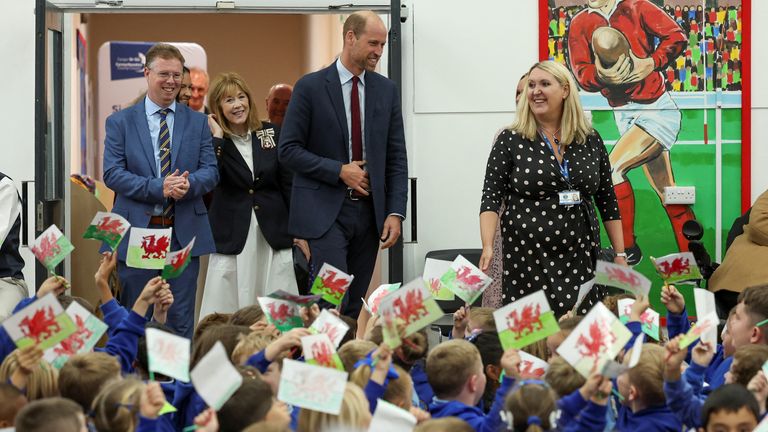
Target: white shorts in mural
column 661, row 119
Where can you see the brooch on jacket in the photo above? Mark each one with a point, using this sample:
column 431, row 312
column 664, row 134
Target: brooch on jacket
column 267, row 138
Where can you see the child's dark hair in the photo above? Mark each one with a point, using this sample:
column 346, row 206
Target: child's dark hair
column 142, row 361
column 413, row 349
column 226, row 334
column 11, row 401
column 489, row 345
column 210, row 320
column 731, row 398
column 247, row 316
column 248, row 405
column 65, row 300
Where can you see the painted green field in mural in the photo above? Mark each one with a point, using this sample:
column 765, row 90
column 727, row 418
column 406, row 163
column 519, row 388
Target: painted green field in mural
column 694, row 165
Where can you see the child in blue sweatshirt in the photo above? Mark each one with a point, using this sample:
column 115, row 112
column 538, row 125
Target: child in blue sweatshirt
column 730, row 407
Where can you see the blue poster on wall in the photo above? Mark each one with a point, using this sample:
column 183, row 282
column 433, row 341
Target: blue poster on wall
column 126, row 59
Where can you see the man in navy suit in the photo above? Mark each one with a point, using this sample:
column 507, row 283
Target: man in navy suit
column 152, row 195
column 343, row 138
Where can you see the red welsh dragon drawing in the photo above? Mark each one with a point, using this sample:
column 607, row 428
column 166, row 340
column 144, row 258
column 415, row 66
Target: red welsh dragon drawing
column 412, row 308
column 527, row 370
column 678, row 266
column 599, row 341
column 112, row 226
column 528, row 321
column 323, row 354
column 646, row 319
column 434, row 286
column 623, row 277
column 47, row 249
column 178, row 260
column 330, row 330
column 335, row 285
column 467, row 280
column 41, row 325
column 71, row 345
column 279, row 314
column 154, row 248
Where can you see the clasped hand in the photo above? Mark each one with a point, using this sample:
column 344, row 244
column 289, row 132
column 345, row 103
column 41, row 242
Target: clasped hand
column 176, row 185
column 355, row 177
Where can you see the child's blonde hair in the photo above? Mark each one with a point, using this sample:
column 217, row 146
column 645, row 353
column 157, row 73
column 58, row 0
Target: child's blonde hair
column 353, row 351
column 249, row 345
column 747, row 361
column 648, row 375
column 83, row 375
column 354, row 414
column 482, row 318
column 42, row 383
column 450, row 365
column 562, row 377
column 399, row 391
column 612, row 302
column 453, row 424
column 531, row 406
column 116, row 407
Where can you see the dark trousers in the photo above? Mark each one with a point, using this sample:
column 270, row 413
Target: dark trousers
column 181, row 316
column 351, row 245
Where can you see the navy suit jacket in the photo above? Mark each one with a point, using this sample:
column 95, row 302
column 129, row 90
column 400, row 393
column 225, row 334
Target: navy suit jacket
column 314, row 143
column 130, row 171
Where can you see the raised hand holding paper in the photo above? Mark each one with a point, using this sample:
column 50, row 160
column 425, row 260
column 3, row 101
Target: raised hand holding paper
column 374, row 300
column 312, row 387
column 597, row 339
column 531, row 366
column 678, row 267
column 214, row 377
column 622, row 277
column 43, row 323
column 465, row 280
column 389, row 331
column 51, row 247
column 318, row 350
column 705, row 304
column 88, row 331
column 107, row 227
column 331, row 325
column 703, row 324
column 649, row 319
column 331, row 283
column 282, row 314
column 411, row 306
column 168, row 354
column 525, row 321
column 147, row 248
column 434, row 269
column 176, row 262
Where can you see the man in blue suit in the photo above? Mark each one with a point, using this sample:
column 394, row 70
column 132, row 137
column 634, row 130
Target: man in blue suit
column 159, row 161
column 343, row 138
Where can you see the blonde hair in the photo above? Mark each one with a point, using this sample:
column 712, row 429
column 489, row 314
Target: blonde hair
column 399, row 390
column 574, row 127
column 562, row 377
column 648, row 375
column 83, row 375
column 453, row 424
column 450, row 365
column 248, row 345
column 482, row 317
column 353, row 351
column 42, row 383
column 116, row 407
column 228, row 84
column 354, row 413
column 531, row 400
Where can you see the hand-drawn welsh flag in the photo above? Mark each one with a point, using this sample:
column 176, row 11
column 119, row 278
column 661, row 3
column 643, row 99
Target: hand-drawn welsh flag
column 703, row 325
column 107, row 227
column 465, row 280
column 677, row 267
column 331, row 283
column 51, row 247
column 434, row 269
column 89, row 330
column 147, row 247
column 649, row 319
column 331, row 325
column 319, row 350
column 411, row 306
column 301, row 300
column 389, row 331
column 531, row 366
column 282, row 314
column 374, row 300
column 622, row 277
column 525, row 321
column 597, row 339
column 176, row 262
column 44, row 323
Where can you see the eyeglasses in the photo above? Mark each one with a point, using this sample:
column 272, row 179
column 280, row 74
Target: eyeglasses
column 165, row 75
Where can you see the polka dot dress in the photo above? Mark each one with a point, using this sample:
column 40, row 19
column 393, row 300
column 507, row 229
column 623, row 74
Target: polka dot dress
column 547, row 245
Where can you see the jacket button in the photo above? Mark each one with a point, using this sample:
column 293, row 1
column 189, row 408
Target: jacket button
column 256, row 207
column 257, row 179
column 250, row 191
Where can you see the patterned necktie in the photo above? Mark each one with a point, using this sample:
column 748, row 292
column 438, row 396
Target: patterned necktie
column 357, row 134
column 165, row 157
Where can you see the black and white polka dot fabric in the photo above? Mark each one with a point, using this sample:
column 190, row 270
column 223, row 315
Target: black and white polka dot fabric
column 547, row 245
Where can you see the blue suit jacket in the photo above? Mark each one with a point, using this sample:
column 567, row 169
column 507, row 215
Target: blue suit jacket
column 130, row 171
column 314, row 143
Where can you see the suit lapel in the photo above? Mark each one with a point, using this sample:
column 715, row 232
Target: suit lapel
column 370, row 98
column 333, row 86
column 177, row 135
column 142, row 128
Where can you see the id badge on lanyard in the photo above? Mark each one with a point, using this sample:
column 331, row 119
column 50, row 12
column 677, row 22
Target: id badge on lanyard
column 567, row 197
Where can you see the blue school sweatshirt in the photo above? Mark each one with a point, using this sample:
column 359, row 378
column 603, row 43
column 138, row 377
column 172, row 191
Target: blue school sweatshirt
column 714, row 374
column 479, row 421
column 653, row 419
column 683, row 403
column 591, row 418
column 123, row 343
column 159, row 424
column 259, row 361
column 573, row 406
column 188, row 405
column 421, row 384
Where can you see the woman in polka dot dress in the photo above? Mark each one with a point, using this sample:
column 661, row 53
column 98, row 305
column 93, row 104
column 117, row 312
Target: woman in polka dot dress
column 548, row 166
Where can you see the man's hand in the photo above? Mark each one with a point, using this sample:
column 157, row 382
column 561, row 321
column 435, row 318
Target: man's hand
column 182, row 187
column 391, row 231
column 54, row 284
column 151, row 400
column 672, row 299
column 353, row 175
column 616, row 74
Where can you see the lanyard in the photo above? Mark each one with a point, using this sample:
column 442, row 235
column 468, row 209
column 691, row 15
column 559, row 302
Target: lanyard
column 564, row 166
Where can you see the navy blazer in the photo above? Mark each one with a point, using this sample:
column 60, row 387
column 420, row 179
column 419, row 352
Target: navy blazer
column 267, row 193
column 130, row 171
column 314, row 143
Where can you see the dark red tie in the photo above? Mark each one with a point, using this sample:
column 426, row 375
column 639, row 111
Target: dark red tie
column 357, row 132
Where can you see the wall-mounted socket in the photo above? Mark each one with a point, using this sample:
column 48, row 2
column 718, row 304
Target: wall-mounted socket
column 680, row 195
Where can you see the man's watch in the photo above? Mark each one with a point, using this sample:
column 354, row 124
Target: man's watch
column 621, row 254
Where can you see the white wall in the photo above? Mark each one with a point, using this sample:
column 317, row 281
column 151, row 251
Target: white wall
column 759, row 100
column 17, row 48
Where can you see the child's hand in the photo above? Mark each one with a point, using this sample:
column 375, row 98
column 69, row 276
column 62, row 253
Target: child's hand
column 286, row 341
column 207, row 421
column 152, row 400
column 309, row 314
column 420, row 414
column 149, row 295
column 54, row 284
column 510, row 362
column 163, row 303
column 603, row 392
column 591, row 386
column 265, row 329
column 565, row 316
column 703, row 353
column 675, row 357
column 638, row 307
column 383, row 358
column 672, row 299
column 29, row 358
column 758, row 385
column 106, row 267
column 460, row 321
